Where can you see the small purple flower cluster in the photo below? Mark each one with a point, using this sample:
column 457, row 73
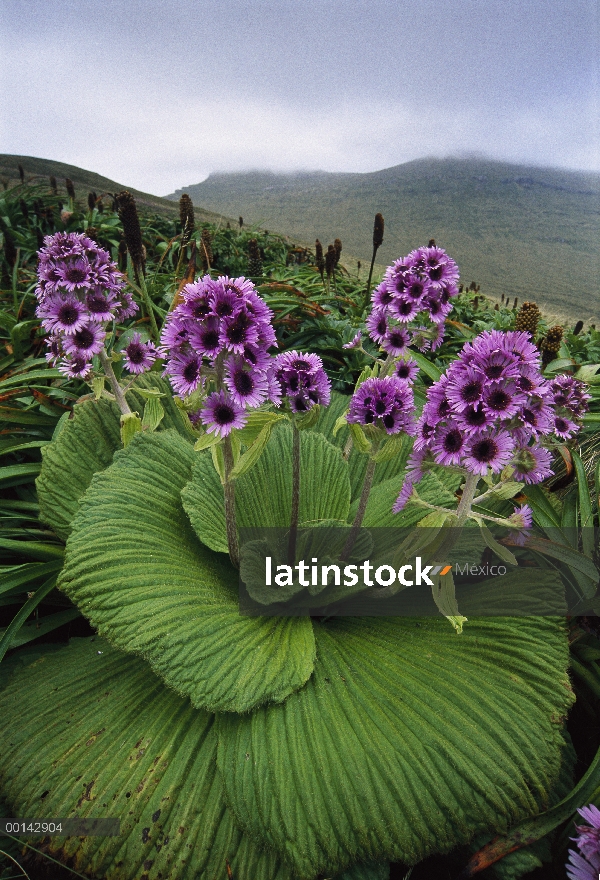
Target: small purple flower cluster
column 79, row 290
column 302, row 380
column 491, row 408
column 221, row 331
column 416, row 288
column 585, row 865
column 386, row 403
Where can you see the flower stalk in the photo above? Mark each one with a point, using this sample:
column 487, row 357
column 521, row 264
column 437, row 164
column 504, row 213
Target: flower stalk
column 295, row 493
column 114, row 383
column 229, row 490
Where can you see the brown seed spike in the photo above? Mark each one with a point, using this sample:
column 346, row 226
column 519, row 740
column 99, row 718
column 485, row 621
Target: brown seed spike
column 255, row 263
column 241, row 221
column 337, row 246
column 53, row 185
column 578, row 328
column 431, row 242
column 330, row 260
column 187, row 219
column 378, row 228
column 21, row 173
column 91, row 201
column 128, row 216
column 319, row 260
column 70, row 188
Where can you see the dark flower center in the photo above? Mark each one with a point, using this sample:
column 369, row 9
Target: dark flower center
column 475, row 417
column 386, row 297
column 499, row 400
column 453, row 441
column 381, row 326
column 485, row 450
column 224, row 309
column 76, row 275
column 415, row 289
column 135, row 353
column 237, row 332
column 380, row 407
column 396, row 339
column 403, row 371
column 83, row 338
column 471, row 392
column 68, row 314
column 242, row 382
column 299, row 364
column 300, row 404
column 560, row 425
column 494, row 371
column 436, row 272
column 404, row 307
column 97, row 304
column 191, row 371
column 224, row 414
column 389, row 420
column 200, row 309
column 210, row 340
column 293, row 383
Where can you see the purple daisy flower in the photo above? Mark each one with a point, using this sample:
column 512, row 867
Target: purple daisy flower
column 377, row 325
column 75, row 366
column 448, row 444
column 185, row 372
column 75, row 274
column 403, row 308
column 100, row 307
column 396, row 340
column 532, row 464
column 382, row 296
column 386, row 403
column 564, row 428
column 139, row 356
column 492, row 449
column 407, row 369
column 88, row 340
column 63, row 314
column 302, row 380
column 221, row 414
column 248, row 387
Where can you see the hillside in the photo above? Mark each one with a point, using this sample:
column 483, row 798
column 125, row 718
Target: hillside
column 39, row 170
column 528, row 232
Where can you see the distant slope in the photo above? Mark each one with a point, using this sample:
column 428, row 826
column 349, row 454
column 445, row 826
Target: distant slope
column 528, row 232
column 39, row 170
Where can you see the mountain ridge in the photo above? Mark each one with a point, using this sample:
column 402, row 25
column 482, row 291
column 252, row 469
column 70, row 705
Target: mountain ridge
column 524, row 231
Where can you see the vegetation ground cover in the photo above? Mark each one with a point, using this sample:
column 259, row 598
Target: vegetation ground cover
column 317, row 308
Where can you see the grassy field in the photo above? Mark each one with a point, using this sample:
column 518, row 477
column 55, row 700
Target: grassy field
column 528, row 232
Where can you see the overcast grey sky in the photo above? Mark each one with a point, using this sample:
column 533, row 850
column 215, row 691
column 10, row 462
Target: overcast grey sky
column 158, row 94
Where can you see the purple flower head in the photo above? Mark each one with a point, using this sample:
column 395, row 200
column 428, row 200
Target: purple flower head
column 521, row 519
column 407, row 369
column 302, row 380
column 220, row 320
column 221, row 414
column 396, row 340
column 385, row 403
column 570, row 396
column 88, row 340
column 585, row 865
column 139, row 356
column 532, row 464
column 75, row 366
column 490, row 449
column 354, row 343
column 79, row 289
column 247, row 386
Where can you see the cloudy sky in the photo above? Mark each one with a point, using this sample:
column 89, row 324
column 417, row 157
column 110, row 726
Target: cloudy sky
column 157, row 94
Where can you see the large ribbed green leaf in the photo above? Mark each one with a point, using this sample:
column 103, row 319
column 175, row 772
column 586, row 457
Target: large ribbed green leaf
column 135, row 567
column 84, row 445
column 407, row 740
column 263, row 495
column 89, row 731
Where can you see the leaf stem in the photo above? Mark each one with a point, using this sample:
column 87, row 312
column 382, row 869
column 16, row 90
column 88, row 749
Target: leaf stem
column 469, row 489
